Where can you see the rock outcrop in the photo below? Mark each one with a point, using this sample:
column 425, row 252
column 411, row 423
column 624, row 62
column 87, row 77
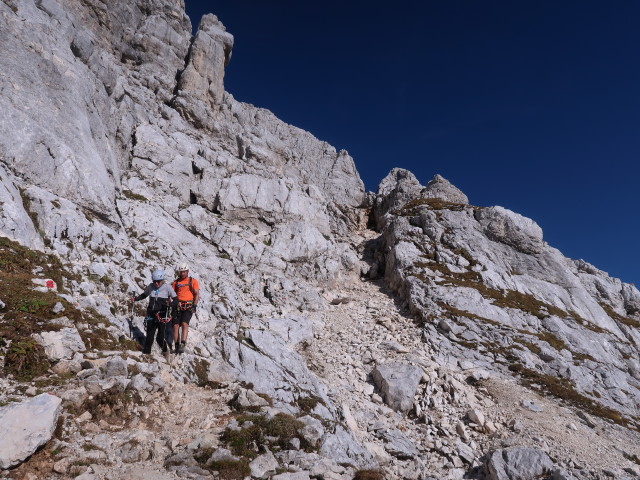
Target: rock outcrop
column 489, row 289
column 438, row 345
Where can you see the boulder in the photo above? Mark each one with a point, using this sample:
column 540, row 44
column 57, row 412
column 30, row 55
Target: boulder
column 114, row 367
column 263, row 466
column 61, row 345
column 293, row 329
column 292, row 476
column 248, row 398
column 313, row 431
column 26, row 426
column 398, row 383
column 518, row 464
column 343, row 447
column 397, row 443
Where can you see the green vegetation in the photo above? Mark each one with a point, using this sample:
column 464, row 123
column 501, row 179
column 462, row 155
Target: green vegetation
column 308, row 404
column 201, row 371
column 276, row 433
column 413, row 207
column 500, row 298
column 453, row 313
column 368, row 475
column 28, row 311
column 228, row 469
column 113, row 406
column 630, row 322
column 563, row 389
column 25, row 360
column 134, row 196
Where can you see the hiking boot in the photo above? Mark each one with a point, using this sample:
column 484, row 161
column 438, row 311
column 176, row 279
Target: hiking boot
column 181, row 347
column 166, row 355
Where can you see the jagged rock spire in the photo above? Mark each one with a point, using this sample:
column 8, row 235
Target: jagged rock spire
column 400, row 187
column 439, row 187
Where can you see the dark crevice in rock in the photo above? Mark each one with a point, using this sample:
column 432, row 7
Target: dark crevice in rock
column 75, row 50
column 193, row 198
column 119, row 213
column 196, row 170
column 216, row 205
column 241, row 149
column 101, row 216
column 187, row 59
column 134, row 142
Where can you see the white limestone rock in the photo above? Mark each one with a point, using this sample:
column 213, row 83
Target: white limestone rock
column 313, row 431
column 440, row 188
column 398, row 383
column 249, row 398
column 397, row 444
column 518, row 464
column 61, row 345
column 294, row 329
column 343, row 447
column 263, row 466
column 14, row 219
column 26, row 426
column 201, row 85
column 115, row 366
column 502, row 225
column 493, row 264
column 303, row 475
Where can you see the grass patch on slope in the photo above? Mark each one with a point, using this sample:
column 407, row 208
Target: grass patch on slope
column 630, row 322
column 563, row 389
column 412, row 208
column 28, row 311
column 275, row 432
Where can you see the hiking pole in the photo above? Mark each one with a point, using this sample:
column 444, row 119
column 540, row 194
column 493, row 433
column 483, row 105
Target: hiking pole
column 131, row 320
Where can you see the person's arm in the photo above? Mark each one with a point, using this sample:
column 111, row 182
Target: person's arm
column 196, row 294
column 143, row 295
column 174, row 297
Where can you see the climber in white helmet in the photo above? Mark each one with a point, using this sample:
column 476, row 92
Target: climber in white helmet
column 162, row 298
column 188, row 291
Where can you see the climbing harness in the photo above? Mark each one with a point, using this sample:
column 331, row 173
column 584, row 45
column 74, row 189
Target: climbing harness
column 188, row 305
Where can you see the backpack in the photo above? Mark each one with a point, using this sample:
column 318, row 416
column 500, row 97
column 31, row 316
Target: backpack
column 175, row 284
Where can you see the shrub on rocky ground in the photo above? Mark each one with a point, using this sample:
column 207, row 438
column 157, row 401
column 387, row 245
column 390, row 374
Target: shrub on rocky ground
column 368, row 475
column 112, row 405
column 276, row 433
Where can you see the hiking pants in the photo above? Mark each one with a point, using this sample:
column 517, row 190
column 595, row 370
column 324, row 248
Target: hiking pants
column 153, row 326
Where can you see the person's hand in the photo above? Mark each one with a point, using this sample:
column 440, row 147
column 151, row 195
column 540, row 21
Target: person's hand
column 132, row 299
column 193, row 308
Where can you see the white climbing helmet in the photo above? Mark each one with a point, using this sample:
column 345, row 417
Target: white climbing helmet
column 183, row 267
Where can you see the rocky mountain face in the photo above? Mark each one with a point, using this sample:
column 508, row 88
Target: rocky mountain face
column 341, row 334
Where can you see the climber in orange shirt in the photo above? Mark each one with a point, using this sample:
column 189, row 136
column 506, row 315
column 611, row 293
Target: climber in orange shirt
column 188, row 291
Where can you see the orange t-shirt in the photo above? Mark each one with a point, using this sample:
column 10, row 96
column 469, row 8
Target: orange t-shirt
column 182, row 289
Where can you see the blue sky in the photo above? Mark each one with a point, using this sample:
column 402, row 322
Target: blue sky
column 531, row 105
